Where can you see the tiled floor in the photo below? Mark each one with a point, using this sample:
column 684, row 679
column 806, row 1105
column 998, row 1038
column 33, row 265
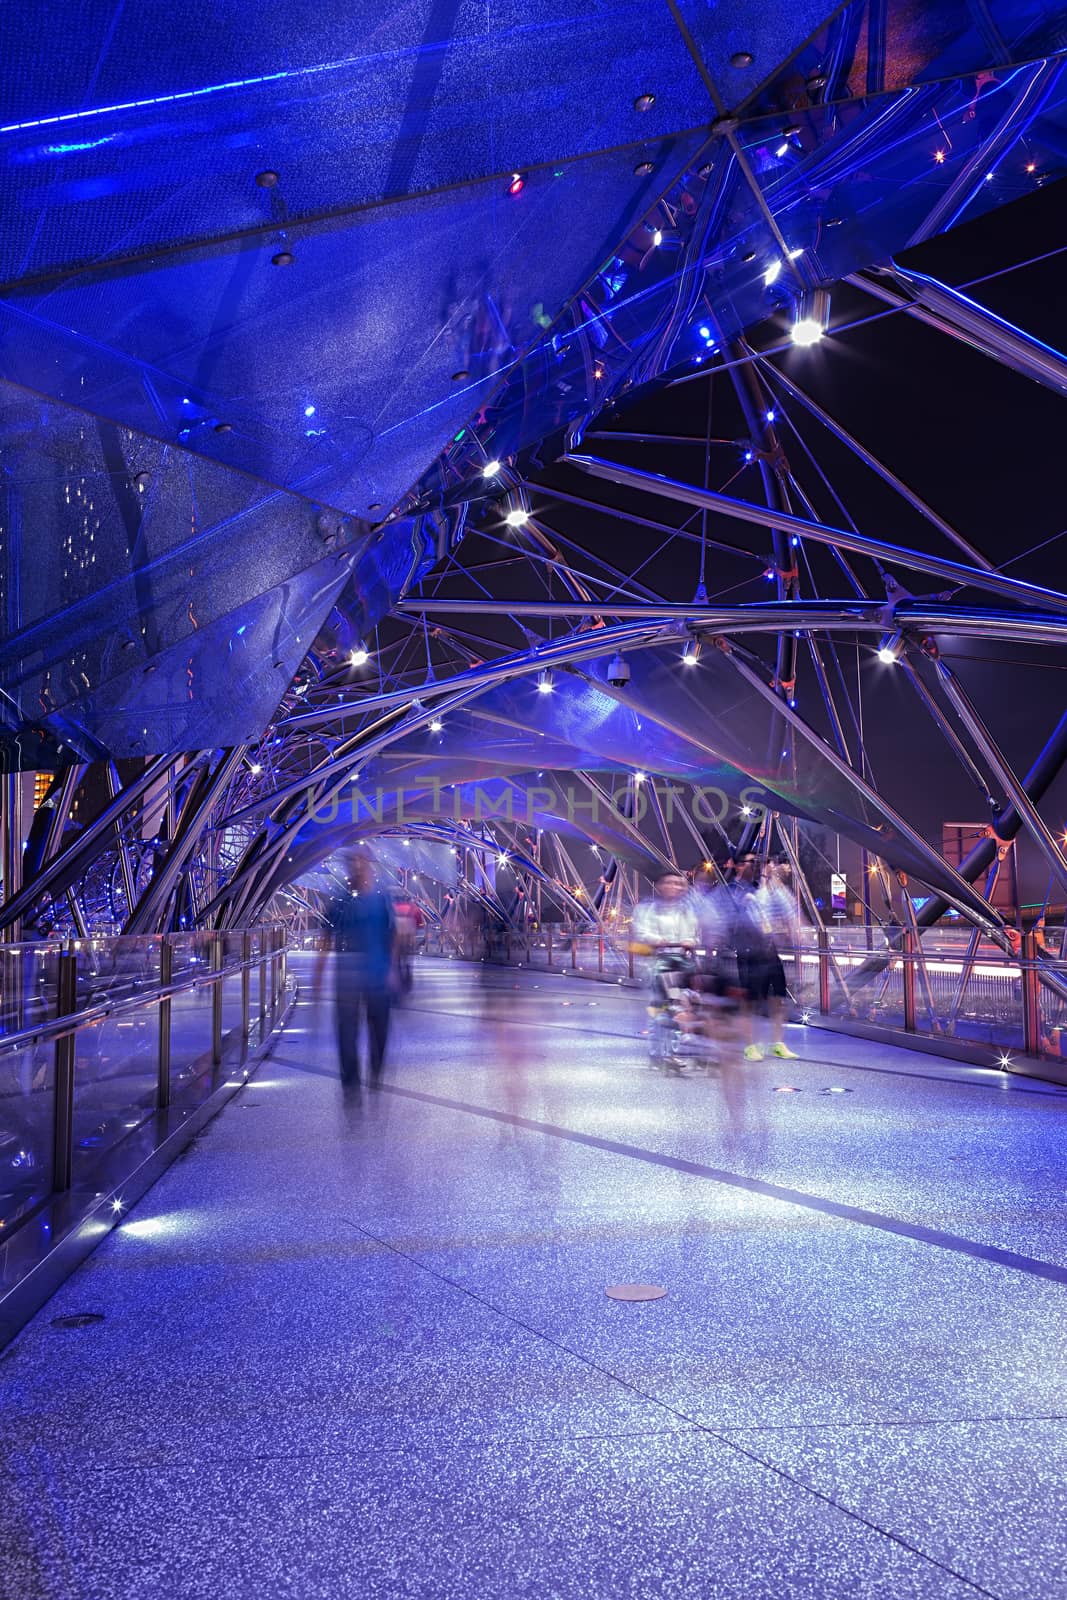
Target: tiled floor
column 361, row 1346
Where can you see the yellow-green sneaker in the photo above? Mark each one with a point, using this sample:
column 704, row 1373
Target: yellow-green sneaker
column 783, row 1052
column 752, row 1052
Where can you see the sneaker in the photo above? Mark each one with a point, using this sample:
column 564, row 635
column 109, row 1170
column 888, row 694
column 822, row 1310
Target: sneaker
column 783, row 1052
column 752, row 1052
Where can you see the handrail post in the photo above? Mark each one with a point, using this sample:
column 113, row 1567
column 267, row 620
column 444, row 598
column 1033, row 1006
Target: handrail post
column 246, row 991
column 824, row 972
column 63, row 1127
column 548, row 944
column 908, row 956
column 166, row 973
column 1031, row 996
column 263, row 937
column 216, row 999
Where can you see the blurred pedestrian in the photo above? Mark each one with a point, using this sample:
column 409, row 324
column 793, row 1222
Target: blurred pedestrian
column 758, row 964
column 363, row 930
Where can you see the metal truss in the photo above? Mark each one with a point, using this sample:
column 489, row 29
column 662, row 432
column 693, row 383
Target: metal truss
column 770, row 548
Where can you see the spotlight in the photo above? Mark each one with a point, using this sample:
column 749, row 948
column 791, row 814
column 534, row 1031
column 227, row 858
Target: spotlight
column 773, row 273
column 517, row 518
column 490, row 469
column 544, row 682
column 812, row 316
column 255, row 769
column 502, row 859
column 359, row 656
column 657, row 238
column 436, row 725
column 691, row 654
column 639, row 777
column 891, row 648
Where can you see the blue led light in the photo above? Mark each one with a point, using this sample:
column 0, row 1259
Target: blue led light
column 704, row 331
column 770, row 416
column 85, row 144
column 183, row 94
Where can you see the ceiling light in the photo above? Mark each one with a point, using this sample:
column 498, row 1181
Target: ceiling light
column 812, row 316
column 359, row 656
column 436, row 725
column 490, row 469
column 544, row 682
column 773, row 273
column 891, row 648
column 517, row 518
column 806, row 331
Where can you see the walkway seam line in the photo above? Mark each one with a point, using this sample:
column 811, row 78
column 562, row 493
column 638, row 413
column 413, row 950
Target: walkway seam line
column 917, row 1232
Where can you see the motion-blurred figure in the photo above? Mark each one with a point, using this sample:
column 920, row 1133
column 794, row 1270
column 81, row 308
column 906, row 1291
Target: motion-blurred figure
column 409, row 921
column 364, row 939
column 759, row 966
column 665, row 929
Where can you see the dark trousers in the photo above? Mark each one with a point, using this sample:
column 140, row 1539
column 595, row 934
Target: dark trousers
column 353, row 1005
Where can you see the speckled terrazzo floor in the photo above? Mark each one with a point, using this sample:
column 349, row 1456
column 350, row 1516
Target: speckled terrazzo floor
column 361, row 1347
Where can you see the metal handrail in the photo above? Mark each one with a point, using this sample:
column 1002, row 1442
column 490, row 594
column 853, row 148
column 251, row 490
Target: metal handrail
column 62, row 1030
column 57, row 1027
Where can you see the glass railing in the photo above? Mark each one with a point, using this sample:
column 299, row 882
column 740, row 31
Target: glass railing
column 99, row 1035
column 944, row 983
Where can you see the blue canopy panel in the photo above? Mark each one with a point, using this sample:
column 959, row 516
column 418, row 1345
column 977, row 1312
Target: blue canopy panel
column 153, row 600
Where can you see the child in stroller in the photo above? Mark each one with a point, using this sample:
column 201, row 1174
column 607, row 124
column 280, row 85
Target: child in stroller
column 696, row 1013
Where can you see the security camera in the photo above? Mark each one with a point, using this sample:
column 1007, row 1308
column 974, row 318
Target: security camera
column 618, row 671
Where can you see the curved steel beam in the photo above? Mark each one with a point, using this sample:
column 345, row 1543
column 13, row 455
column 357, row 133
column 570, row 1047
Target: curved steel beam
column 953, row 572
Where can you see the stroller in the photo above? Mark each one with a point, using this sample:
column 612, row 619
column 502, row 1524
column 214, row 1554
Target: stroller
column 694, row 1009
